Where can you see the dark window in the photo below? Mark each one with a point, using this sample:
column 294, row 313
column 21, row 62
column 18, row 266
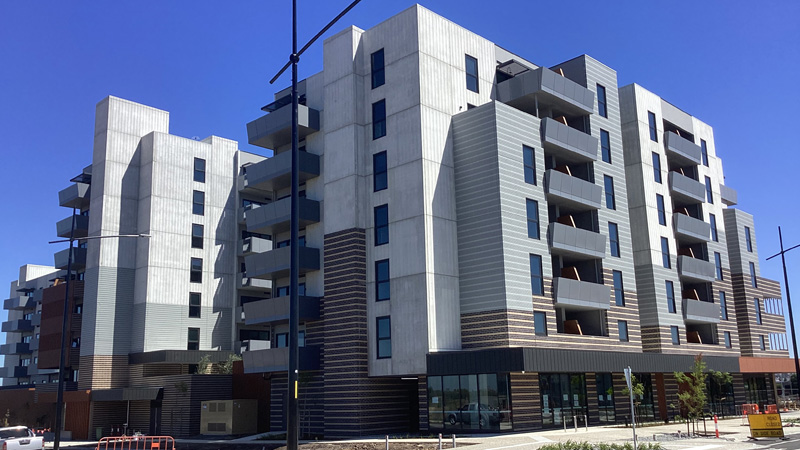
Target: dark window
column 196, row 271
column 665, row 259
column 723, row 305
column 753, row 279
column 709, row 194
column 747, row 239
column 380, row 179
column 757, row 304
column 671, row 297
column 727, row 335
column 761, row 344
column 704, row 152
column 198, row 202
column 194, row 304
column 472, row 73
column 532, row 209
column 718, row 264
column 197, row 235
column 193, row 342
column 382, row 286
column 613, row 238
column 381, row 224
column 379, row 119
column 200, row 170
column 662, row 213
column 283, row 291
column 378, row 74
column 609, row 185
column 713, row 219
column 601, row 101
column 657, row 167
column 384, row 333
column 537, row 279
column 651, row 120
column 281, row 340
column 529, row 161
column 623, row 330
column 676, row 337
column 605, row 146
column 619, row 293
column 539, row 323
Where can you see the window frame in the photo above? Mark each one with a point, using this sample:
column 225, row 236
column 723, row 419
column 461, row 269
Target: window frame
column 474, row 77
column 532, row 206
column 379, row 119
column 378, row 74
column 195, row 276
column 709, row 191
column 718, row 266
column 197, row 240
column 661, row 208
column 199, row 172
column 726, row 337
column 753, row 279
column 675, row 334
column 748, row 239
column 195, row 305
column 671, row 307
column 704, row 152
column 380, row 281
column 380, row 172
column 666, row 258
column 712, row 219
column 651, row 122
column 381, row 228
column 605, row 146
column 198, row 203
column 602, row 101
column 379, row 338
column 529, row 164
column 536, row 329
column 190, row 341
column 619, row 290
column 538, row 277
column 657, row 168
column 723, row 305
column 613, row 239
column 623, row 324
column 762, row 345
column 757, row 306
column 608, row 187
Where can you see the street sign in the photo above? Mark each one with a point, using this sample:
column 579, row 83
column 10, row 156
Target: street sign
column 765, row 425
column 627, row 371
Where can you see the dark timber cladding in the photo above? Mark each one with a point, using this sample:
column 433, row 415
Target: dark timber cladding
column 350, row 405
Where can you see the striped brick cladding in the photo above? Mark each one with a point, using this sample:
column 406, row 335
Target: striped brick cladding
column 749, row 330
column 526, row 401
column 103, row 372
column 422, row 401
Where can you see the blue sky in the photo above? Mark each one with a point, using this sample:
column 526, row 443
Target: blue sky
column 733, row 64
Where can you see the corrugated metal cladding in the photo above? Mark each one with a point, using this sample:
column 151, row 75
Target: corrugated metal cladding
column 555, row 360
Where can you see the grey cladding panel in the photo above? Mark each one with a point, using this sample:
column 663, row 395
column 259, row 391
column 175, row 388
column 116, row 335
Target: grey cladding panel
column 700, row 312
column 696, row 269
column 574, row 191
column 686, row 188
column 571, row 144
column 581, row 294
column 576, row 242
column 683, row 149
column 691, row 228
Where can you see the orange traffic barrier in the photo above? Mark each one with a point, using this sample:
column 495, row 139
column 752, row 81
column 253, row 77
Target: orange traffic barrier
column 772, row 409
column 136, row 443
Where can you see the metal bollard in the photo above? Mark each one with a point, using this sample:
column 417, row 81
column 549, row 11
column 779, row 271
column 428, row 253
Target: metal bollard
column 440, row 441
column 454, row 442
column 565, row 424
column 575, row 421
column 585, row 422
column 387, row 442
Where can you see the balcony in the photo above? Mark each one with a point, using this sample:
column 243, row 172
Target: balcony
column 14, row 372
column 19, row 303
column 275, row 263
column 568, row 143
column 19, row 348
column 275, row 129
column 253, row 244
column 16, row 326
column 76, row 196
column 36, row 320
column 78, row 259
column 575, row 242
column 689, row 229
column 696, row 269
column 64, row 226
column 276, row 310
column 695, row 311
column 275, row 173
column 254, row 284
column 728, row 195
column 574, row 192
column 274, row 217
column 580, row 295
column 251, row 345
column 685, row 189
column 681, row 150
column 547, row 88
column 277, row 359
column 244, row 210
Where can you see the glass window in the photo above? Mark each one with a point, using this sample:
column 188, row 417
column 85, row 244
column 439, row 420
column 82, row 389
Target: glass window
column 540, row 323
column 727, row 335
column 378, row 75
column 761, row 344
column 757, row 305
column 623, row 330
column 713, row 219
column 651, row 120
column 723, row 305
column 605, row 146
column 382, row 286
column 753, row 279
column 537, row 280
column 196, row 270
column 671, row 297
column 472, row 73
column 662, row 213
column 709, row 194
column 380, row 179
column 563, row 397
column 194, row 304
column 747, row 239
column 193, row 341
column 281, row 340
column 613, row 238
column 609, row 185
column 198, row 202
column 718, row 265
column 384, row 337
column 282, row 291
column 605, row 396
column 200, row 170
column 657, row 167
column 381, row 224
column 665, row 259
column 379, row 119
column 197, row 235
column 601, row 101
column 532, row 210
column 619, row 293
column 529, row 161
column 704, row 152
column 676, row 337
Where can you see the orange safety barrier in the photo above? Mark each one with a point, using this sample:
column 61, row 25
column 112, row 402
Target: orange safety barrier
column 772, row 409
column 749, row 408
column 136, row 443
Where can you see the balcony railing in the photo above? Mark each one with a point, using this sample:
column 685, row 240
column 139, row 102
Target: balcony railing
column 690, row 229
column 728, row 195
column 78, row 258
column 277, row 359
column 75, row 196
column 685, row 189
column 574, row 294
column 275, row 129
column 254, row 284
column 572, row 191
column 696, row 269
column 19, row 303
column 274, row 217
column 570, row 144
column 548, row 89
column 16, row 326
column 276, row 310
column 275, row 173
column 682, row 150
column 18, row 348
column 254, row 244
column 275, row 263
column 575, row 242
column 64, row 226
column 695, row 311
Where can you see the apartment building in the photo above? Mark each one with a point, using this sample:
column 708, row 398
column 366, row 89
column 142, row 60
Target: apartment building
column 485, row 244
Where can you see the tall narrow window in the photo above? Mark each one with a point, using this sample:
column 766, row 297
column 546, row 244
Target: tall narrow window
column 196, row 270
column 727, row 335
column 380, row 175
column 619, row 292
column 747, row 239
column 200, row 170
column 651, row 120
column 605, row 146
column 611, row 202
column 704, row 152
column 753, row 279
column 723, row 305
column 382, row 286
column 197, row 235
column 532, row 210
column 761, row 344
column 537, row 279
column 657, row 167
column 601, row 101
column 383, row 326
column 718, row 265
column 539, row 323
column 198, row 202
column 529, row 162
column 662, row 213
column 379, row 119
column 676, row 337
column 709, row 193
column 665, row 259
column 613, row 238
column 671, row 297
column 472, row 73
column 193, row 340
column 623, row 330
column 713, row 219
column 194, row 304
column 376, row 63
column 381, row 224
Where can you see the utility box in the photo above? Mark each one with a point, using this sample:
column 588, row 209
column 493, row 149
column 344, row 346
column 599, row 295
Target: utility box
column 227, row 417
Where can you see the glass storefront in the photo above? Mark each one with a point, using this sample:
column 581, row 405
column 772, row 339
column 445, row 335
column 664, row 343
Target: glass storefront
column 755, row 388
column 605, row 398
column 563, row 397
column 720, row 398
column 469, row 402
column 645, row 407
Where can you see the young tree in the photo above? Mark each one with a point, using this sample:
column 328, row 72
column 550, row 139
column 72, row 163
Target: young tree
column 692, row 395
column 227, row 366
